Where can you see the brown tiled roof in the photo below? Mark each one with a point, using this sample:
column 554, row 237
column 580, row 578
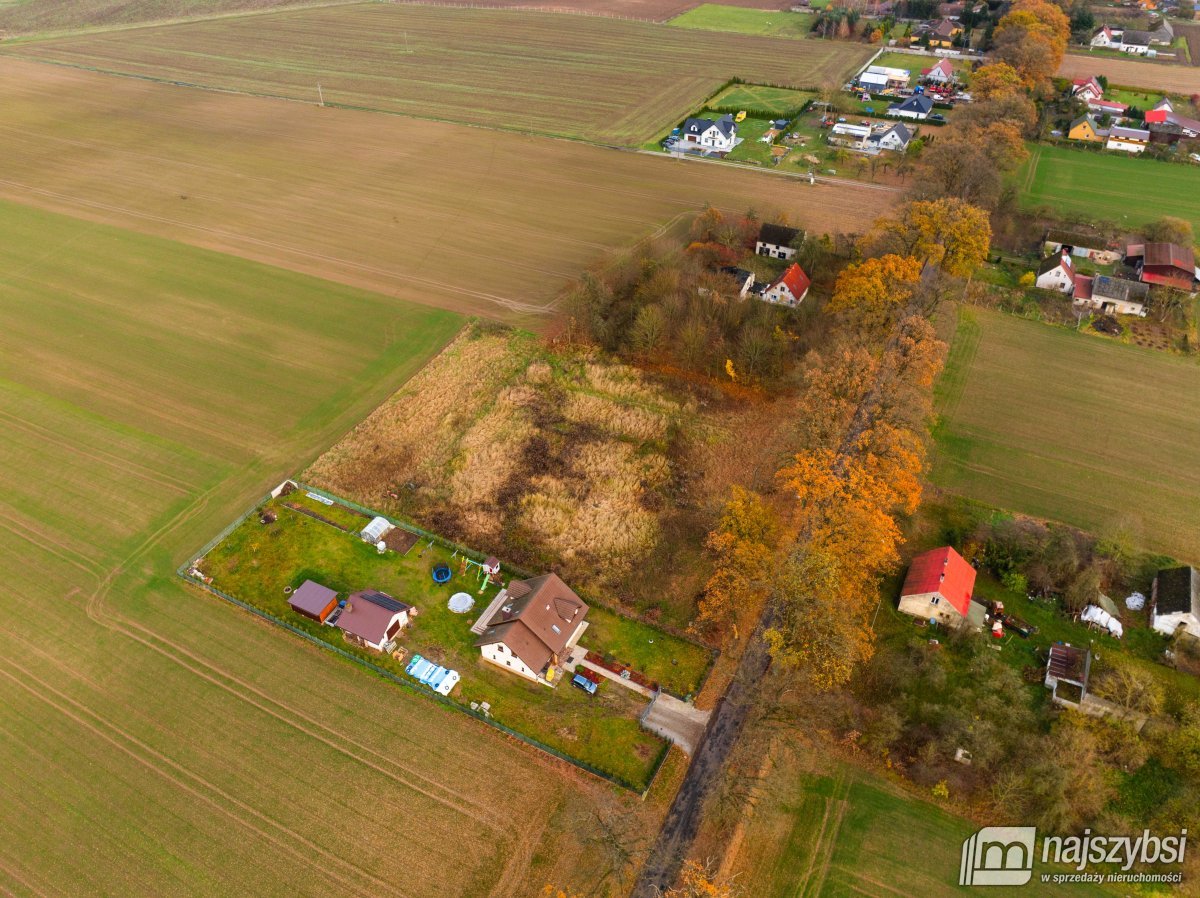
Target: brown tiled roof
column 368, row 613
column 542, row 614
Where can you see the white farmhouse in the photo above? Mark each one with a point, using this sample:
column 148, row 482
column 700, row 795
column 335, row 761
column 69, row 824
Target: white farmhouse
column 1057, row 273
column 719, row 135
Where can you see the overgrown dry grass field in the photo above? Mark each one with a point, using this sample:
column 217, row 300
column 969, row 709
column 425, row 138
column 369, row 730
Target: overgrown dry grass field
column 593, row 78
column 1178, row 79
column 157, row 741
column 472, row 220
column 556, row 455
column 1060, row 425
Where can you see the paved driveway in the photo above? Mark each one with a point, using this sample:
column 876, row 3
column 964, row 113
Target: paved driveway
column 678, row 721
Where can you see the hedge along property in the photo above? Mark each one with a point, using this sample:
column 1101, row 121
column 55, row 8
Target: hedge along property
column 435, row 617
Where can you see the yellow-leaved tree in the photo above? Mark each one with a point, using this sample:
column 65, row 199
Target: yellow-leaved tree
column 742, row 544
column 869, row 294
column 949, row 233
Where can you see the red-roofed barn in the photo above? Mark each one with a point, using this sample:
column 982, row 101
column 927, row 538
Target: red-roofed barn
column 938, row 587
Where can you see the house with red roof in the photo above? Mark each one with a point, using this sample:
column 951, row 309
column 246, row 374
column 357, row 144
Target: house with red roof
column 790, row 288
column 1107, row 37
column 941, row 73
column 1111, row 107
column 1056, row 272
column 1087, row 89
column 939, row 587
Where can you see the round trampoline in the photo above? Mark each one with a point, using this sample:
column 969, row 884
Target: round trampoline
column 441, row 573
column 461, row 603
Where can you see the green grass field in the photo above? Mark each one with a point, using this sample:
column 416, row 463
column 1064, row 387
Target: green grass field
column 148, row 392
column 1108, row 187
column 593, row 78
column 715, row 17
column 851, row 833
column 1126, row 456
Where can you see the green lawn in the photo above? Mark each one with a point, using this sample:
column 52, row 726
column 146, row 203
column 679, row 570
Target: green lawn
column 1109, row 187
column 1057, row 424
column 1142, row 99
column 255, row 563
column 761, row 99
column 715, row 17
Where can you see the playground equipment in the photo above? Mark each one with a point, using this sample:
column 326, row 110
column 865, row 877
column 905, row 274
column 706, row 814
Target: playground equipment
column 489, row 570
column 441, row 573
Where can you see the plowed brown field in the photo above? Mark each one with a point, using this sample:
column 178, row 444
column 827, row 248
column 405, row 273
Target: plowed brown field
column 588, row 77
column 1180, row 79
column 468, row 219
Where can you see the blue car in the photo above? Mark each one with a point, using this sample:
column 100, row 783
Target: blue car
column 584, row 683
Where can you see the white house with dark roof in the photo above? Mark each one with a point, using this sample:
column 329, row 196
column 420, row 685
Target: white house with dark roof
column 1129, row 140
column 917, row 107
column 895, row 138
column 1057, row 273
column 719, row 135
column 1175, row 601
column 777, row 241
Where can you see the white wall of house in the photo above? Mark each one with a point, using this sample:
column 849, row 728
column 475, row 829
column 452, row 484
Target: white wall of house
column 773, row 250
column 891, row 141
column 1118, row 306
column 1167, row 623
column 1056, row 279
column 1129, row 146
column 1135, row 49
column 782, row 295
column 931, row 606
column 498, row 653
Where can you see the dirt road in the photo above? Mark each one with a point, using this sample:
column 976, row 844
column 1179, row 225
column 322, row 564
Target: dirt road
column 708, row 765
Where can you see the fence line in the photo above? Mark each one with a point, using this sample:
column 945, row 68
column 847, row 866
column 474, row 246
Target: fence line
column 413, row 686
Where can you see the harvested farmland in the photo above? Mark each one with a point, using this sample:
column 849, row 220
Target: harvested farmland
column 37, row 16
column 463, row 218
column 149, row 391
column 1124, row 462
column 1177, row 79
column 594, row 78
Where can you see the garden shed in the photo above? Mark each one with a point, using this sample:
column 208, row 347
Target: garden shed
column 314, row 601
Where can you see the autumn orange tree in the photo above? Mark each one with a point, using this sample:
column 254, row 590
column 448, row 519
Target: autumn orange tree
column 1032, row 38
column 948, row 233
column 848, row 497
column 870, row 294
column 743, row 544
column 697, row 880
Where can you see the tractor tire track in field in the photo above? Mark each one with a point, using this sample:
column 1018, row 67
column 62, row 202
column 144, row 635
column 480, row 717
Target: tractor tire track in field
column 235, row 237
column 473, row 810
column 7, row 868
column 199, row 787
column 108, row 459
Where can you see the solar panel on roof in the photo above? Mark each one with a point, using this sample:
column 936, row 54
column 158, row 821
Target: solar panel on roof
column 384, row 601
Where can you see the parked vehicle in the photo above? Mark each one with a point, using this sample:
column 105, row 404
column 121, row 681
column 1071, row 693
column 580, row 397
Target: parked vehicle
column 584, row 683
